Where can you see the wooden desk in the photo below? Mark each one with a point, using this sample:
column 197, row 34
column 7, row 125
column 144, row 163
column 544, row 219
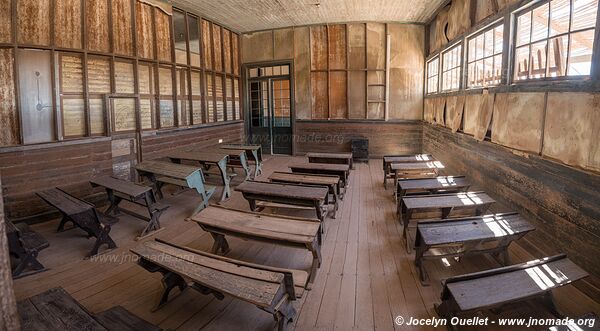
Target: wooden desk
column 415, row 170
column 24, row 244
column 440, row 206
column 331, row 158
column 424, row 186
column 486, row 234
column 272, row 229
column 297, row 195
column 237, row 159
column 411, row 158
column 254, row 152
column 207, row 159
column 159, row 172
column 118, row 190
column 341, row 170
column 331, row 181
column 486, row 290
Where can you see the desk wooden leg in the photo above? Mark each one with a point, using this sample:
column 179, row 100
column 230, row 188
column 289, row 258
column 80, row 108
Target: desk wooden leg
column 226, row 189
column 257, row 165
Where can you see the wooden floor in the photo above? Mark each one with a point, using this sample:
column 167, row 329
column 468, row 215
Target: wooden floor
column 365, row 281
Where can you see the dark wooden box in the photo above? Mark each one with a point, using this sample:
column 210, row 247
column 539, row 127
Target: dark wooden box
column 360, row 149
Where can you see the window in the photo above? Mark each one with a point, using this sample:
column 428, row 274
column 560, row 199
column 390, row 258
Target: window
column 484, row 60
column 451, row 62
column 179, row 27
column 165, row 90
column 433, row 75
column 555, row 39
column 71, row 95
column 146, row 88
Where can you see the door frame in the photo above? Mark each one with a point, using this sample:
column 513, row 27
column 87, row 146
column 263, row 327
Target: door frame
column 246, row 97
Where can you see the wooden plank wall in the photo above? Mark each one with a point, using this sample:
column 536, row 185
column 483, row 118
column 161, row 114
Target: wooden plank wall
column 384, row 137
column 562, row 201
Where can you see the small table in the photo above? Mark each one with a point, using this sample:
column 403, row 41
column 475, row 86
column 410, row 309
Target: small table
column 413, row 158
column 176, row 174
column 440, row 206
column 331, row 181
column 207, row 159
column 424, row 186
column 415, row 170
column 331, row 158
column 298, row 195
column 341, row 170
column 237, row 159
column 487, row 234
column 119, row 189
column 252, row 151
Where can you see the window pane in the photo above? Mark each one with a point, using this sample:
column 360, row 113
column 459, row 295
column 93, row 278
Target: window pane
column 124, row 81
column 538, row 60
column 220, row 105
column 580, row 53
column 488, row 46
column 522, row 63
column 560, row 12
column 236, row 90
column 180, row 37
column 145, row 79
column 196, row 88
column 183, row 108
column 210, row 114
column 73, row 116
column 524, row 29
column 124, row 114
column 166, row 113
column 165, row 80
column 71, row 74
column 97, row 116
column 497, row 72
column 584, row 14
column 194, row 36
column 540, row 23
column 557, row 56
column 147, row 114
column 499, row 39
column 98, row 75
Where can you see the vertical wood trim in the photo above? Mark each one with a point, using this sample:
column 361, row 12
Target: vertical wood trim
column 174, row 73
column 387, row 73
column 224, row 73
column 111, row 48
column 328, row 73
column 595, row 70
column 136, row 83
column 9, row 315
column 366, row 72
column 154, row 65
column 310, row 41
column 204, row 102
column 347, row 74
column 16, row 87
column 213, row 70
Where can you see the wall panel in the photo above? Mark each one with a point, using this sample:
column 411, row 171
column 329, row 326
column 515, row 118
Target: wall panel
column 163, row 35
column 357, row 47
column 459, row 18
column 257, row 47
column 284, row 44
column 318, row 47
column 357, row 99
column 144, row 30
column 217, row 47
column 122, row 27
column 97, row 25
column 9, row 121
column 518, row 119
column 337, row 46
column 302, row 79
column 6, row 22
column 376, row 46
column 320, row 102
column 337, row 95
column 67, row 23
column 33, row 18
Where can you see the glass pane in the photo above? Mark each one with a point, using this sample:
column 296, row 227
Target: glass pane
column 97, row 116
column 580, row 53
column 71, row 74
column 145, row 78
column 479, row 46
column 210, row 114
column 166, row 113
column 165, row 81
column 479, row 73
column 124, row 80
column 194, row 36
column 540, row 23
column 538, row 60
column 522, row 63
column 499, row 39
column 236, row 91
column 584, row 14
column 524, row 29
column 557, row 56
column 488, row 67
column 73, row 117
column 253, row 72
column 123, row 114
column 471, row 50
column 180, row 37
column 147, row 114
column 488, row 48
column 560, row 13
column 497, row 71
column 220, row 102
column 285, row 70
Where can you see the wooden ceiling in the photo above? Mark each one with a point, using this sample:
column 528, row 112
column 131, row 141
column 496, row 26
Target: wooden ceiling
column 253, row 15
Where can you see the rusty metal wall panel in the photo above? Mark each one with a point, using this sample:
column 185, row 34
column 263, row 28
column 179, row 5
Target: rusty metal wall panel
column 320, row 103
column 337, row 46
column 337, row 95
column 257, row 47
column 376, row 41
column 318, row 47
column 163, row 35
column 357, row 46
column 459, row 18
column 235, row 39
column 284, row 44
column 33, row 18
column 145, row 35
column 9, row 122
column 357, row 99
column 6, row 23
column 227, row 50
column 67, row 23
column 302, row 72
column 207, row 45
column 122, row 27
column 217, row 47
column 97, row 25
column 518, row 119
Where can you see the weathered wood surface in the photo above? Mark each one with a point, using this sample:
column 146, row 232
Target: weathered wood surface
column 268, row 288
column 126, row 187
column 496, row 287
column 9, row 316
column 56, row 310
column 389, row 159
column 24, row 244
column 120, row 319
column 283, row 190
column 431, row 185
column 332, row 158
column 207, row 159
column 178, row 171
column 341, row 170
column 272, row 229
column 253, row 153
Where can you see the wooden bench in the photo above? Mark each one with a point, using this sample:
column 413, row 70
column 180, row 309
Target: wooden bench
column 270, row 289
column 253, row 153
column 207, row 159
column 425, row 186
column 272, row 229
column 415, row 170
column 331, row 158
column 410, row 158
column 331, row 181
column 118, row 190
column 83, row 215
column 487, row 234
column 490, row 289
column 160, row 172
column 24, row 244
column 297, row 195
column 440, row 206
column 341, row 170
column 56, row 310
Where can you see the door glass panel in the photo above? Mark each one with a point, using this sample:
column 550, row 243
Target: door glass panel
column 281, row 103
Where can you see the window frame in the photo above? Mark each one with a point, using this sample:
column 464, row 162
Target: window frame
column 482, row 31
column 460, row 67
column 437, row 74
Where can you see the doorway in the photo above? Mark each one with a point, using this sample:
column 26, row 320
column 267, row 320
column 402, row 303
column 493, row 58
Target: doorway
column 270, row 95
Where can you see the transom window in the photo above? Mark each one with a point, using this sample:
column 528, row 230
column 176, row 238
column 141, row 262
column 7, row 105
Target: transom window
column 433, row 75
column 555, row 39
column 485, row 57
column 451, row 65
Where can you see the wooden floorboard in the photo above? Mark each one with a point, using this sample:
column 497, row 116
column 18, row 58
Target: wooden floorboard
column 366, row 278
